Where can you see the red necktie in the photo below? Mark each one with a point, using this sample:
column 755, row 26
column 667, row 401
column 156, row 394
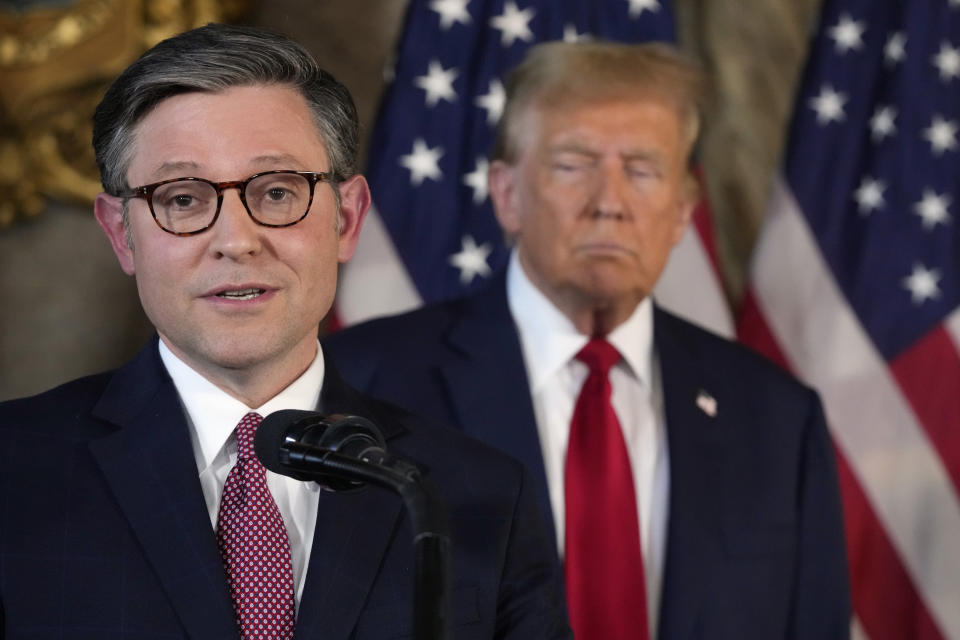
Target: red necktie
column 254, row 545
column 603, row 562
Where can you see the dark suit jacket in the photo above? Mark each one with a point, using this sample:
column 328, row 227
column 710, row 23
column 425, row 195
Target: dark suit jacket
column 104, row 532
column 755, row 545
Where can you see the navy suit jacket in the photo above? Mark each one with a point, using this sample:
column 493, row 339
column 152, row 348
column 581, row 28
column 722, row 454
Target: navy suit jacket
column 104, row 533
column 755, row 544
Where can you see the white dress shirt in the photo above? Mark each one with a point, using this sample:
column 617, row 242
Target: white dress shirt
column 213, row 414
column 550, row 343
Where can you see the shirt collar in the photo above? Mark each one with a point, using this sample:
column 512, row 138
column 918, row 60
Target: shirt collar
column 549, row 339
column 213, row 414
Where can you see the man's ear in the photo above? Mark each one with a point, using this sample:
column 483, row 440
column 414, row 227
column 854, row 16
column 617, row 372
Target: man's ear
column 502, row 181
column 354, row 204
column 109, row 212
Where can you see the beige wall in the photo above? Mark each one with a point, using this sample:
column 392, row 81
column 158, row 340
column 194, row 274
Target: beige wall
column 66, row 309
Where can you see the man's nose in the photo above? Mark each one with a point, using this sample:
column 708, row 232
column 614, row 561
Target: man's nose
column 235, row 234
column 611, row 193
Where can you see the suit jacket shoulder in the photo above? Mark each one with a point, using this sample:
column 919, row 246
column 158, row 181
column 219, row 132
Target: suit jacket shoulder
column 707, row 348
column 408, row 338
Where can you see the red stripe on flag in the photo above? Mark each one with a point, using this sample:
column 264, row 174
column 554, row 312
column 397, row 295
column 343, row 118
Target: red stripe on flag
column 929, row 374
column 331, row 323
column 883, row 594
column 703, row 221
column 884, row 598
column 753, row 331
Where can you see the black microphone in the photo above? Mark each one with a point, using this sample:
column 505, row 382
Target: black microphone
column 344, row 452
column 338, row 451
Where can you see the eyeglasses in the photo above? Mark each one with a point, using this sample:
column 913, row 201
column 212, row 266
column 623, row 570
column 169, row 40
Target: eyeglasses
column 188, row 206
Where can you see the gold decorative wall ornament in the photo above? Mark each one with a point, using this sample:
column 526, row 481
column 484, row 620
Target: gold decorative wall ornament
column 56, row 61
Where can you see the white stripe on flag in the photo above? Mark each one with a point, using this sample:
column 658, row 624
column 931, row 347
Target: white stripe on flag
column 374, row 282
column 874, row 425
column 856, row 630
column 690, row 286
column 952, row 324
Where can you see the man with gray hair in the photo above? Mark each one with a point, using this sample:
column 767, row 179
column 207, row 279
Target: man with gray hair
column 690, row 483
column 131, row 502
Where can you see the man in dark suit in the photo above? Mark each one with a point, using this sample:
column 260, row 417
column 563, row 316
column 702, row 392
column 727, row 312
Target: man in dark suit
column 131, row 504
column 690, row 483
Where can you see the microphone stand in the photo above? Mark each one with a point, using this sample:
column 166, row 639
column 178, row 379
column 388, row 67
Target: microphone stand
column 431, row 542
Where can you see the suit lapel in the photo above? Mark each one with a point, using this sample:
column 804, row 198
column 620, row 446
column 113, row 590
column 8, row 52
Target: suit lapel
column 694, row 538
column 487, row 383
column 353, row 532
column 150, row 469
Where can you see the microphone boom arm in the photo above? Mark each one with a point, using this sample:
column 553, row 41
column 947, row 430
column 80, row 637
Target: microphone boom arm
column 431, row 532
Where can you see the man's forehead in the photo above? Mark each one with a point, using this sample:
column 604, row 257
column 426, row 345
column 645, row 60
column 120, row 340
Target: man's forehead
column 248, row 128
column 563, row 121
column 573, row 145
column 560, row 105
column 288, row 104
column 266, row 161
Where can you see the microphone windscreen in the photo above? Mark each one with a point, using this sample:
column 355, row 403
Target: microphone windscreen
column 270, row 435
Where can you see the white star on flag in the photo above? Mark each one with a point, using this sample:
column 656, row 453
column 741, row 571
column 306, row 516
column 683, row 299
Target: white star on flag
column 390, row 70
column 881, row 123
column 922, row 283
column 492, row 101
column 451, row 11
column 828, row 105
column 423, row 162
column 477, row 180
column 637, row 7
column 471, row 260
column 932, row 209
column 570, row 34
column 941, row 134
column 513, row 24
column 894, row 50
column 869, row 195
column 847, row 34
column 947, row 61
column 438, row 83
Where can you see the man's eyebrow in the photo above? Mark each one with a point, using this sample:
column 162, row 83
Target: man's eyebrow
column 643, row 156
column 571, row 147
column 170, row 167
column 278, row 158
column 187, row 167
column 635, row 155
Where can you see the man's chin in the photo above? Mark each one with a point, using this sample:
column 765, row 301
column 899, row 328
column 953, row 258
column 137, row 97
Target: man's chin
column 613, row 284
column 233, row 352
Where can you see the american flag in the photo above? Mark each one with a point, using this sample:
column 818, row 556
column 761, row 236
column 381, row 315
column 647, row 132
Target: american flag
column 432, row 234
column 855, row 289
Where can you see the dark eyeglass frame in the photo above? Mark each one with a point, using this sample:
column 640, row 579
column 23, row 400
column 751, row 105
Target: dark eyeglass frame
column 145, row 192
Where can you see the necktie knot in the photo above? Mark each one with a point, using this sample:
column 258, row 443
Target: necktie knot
column 599, row 355
column 244, row 433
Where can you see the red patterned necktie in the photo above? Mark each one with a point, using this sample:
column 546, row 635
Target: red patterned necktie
column 254, row 545
column 603, row 562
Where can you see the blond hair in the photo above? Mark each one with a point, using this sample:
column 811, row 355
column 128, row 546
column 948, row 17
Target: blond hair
column 587, row 72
